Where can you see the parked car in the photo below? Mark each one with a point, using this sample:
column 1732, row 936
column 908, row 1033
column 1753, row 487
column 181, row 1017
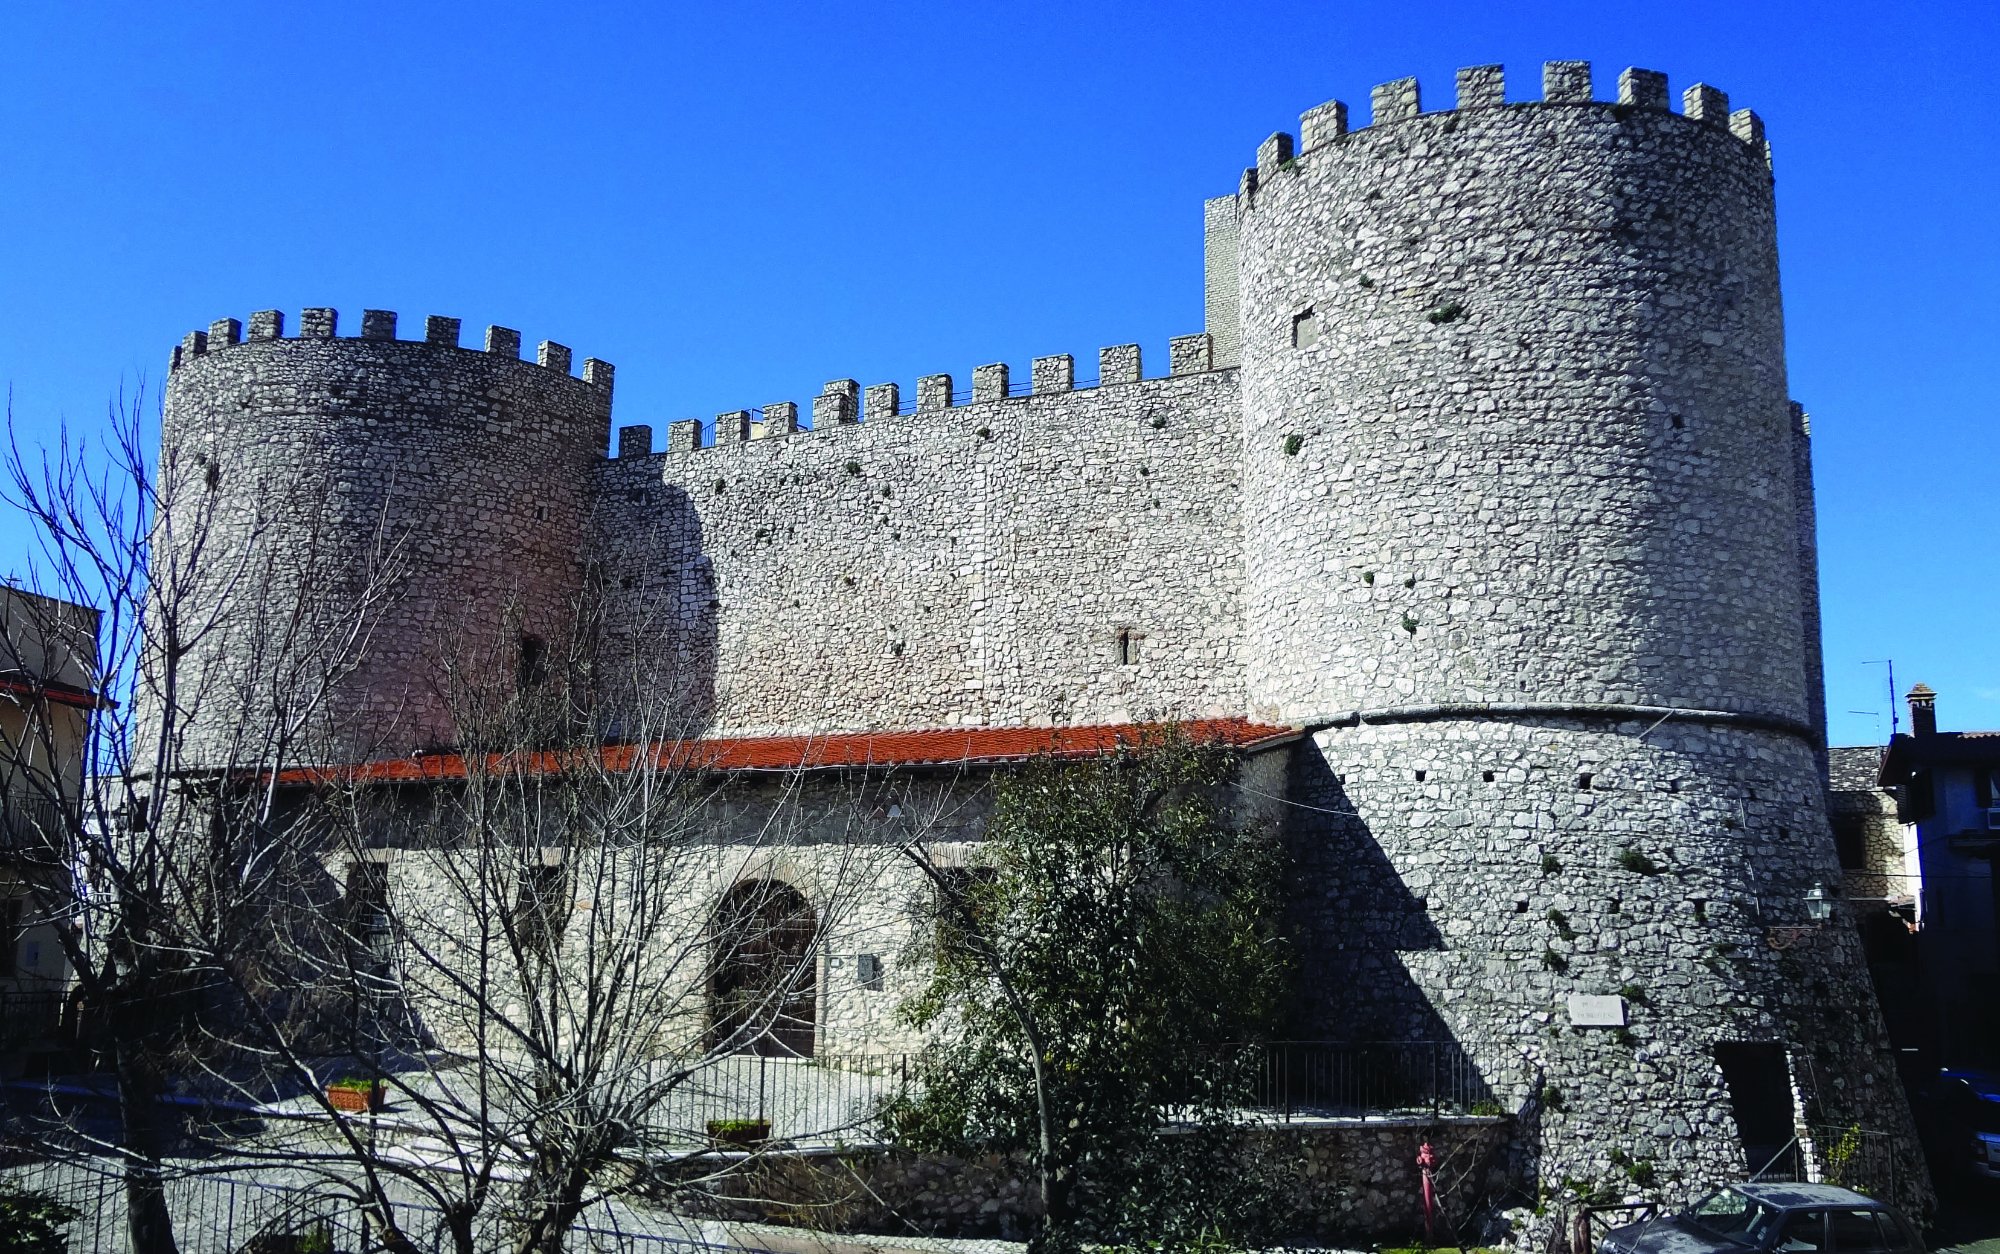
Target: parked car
column 1775, row 1218
column 1958, row 1114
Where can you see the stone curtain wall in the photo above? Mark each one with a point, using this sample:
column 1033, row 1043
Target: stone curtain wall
column 477, row 466
column 971, row 565
column 1537, row 444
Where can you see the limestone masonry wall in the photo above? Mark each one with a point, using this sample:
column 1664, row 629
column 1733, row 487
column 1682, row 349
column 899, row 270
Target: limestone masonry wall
column 1484, row 475
column 973, row 565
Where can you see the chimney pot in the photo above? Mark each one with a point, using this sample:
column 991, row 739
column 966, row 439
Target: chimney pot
column 1923, row 710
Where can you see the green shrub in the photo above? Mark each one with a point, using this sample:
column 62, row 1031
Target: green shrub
column 1637, row 863
column 1293, row 443
column 1450, row 311
column 33, row 1222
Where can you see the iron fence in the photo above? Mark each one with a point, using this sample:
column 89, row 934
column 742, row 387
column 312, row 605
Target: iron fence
column 1333, row 1079
column 32, row 823
column 747, row 1098
column 1852, row 1157
column 33, row 1019
column 232, row 1213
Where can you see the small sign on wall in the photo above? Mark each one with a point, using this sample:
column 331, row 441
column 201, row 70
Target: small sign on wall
column 1590, row 1010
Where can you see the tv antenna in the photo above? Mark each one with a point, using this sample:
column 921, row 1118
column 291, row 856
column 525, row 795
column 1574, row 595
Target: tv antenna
column 1895, row 719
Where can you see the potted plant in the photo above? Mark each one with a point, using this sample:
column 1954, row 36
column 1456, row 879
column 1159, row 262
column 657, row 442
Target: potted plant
column 355, row 1094
column 744, row 1133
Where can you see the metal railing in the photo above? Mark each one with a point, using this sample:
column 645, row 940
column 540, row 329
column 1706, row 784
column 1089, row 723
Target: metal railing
column 745, row 1098
column 779, row 1098
column 31, row 1019
column 1333, row 1079
column 223, row 1213
column 1852, row 1157
column 32, row 822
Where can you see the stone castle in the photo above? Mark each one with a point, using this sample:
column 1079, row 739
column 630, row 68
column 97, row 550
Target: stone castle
column 1479, row 515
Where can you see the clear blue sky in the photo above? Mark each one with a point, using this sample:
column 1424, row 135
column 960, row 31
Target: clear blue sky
column 734, row 203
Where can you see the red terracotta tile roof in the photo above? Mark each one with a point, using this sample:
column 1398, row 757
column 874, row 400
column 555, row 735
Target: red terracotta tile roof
column 941, row 747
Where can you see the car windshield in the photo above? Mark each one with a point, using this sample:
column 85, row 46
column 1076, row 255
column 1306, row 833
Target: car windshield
column 1730, row 1215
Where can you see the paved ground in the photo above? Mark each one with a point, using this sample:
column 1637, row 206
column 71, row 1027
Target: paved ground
column 1969, row 1221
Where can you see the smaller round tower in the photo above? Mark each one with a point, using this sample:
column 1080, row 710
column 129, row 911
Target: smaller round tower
column 308, row 466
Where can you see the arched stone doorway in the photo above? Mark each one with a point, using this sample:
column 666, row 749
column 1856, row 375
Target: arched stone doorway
column 764, row 987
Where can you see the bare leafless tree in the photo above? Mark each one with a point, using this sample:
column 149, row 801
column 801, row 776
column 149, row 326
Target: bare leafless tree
column 141, row 878
column 547, row 945
column 547, row 949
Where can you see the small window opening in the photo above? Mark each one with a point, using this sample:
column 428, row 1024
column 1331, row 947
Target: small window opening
column 1487, row 776
column 868, row 971
column 531, row 667
column 1420, row 776
column 1583, row 782
column 1305, row 329
column 1850, row 841
column 1520, row 907
column 1680, row 423
column 367, row 886
column 1127, row 647
column 541, row 513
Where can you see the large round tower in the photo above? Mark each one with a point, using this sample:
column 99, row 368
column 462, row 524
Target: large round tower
column 307, row 465
column 1522, row 548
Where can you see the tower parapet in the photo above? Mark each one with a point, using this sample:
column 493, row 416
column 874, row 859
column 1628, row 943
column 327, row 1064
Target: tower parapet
column 1514, row 382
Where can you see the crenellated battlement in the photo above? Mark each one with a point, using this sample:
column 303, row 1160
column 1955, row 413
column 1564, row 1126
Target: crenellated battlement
column 1482, row 87
column 320, row 323
column 846, row 403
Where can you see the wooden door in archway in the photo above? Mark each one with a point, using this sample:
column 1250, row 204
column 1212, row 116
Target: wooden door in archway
column 764, row 986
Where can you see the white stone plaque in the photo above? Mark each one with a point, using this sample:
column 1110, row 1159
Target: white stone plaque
column 1588, row 1010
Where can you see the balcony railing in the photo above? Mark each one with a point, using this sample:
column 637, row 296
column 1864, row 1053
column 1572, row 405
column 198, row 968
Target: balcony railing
column 30, row 1020
column 29, row 823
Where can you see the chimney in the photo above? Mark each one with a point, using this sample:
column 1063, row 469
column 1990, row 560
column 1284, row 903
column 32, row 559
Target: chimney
column 1923, row 711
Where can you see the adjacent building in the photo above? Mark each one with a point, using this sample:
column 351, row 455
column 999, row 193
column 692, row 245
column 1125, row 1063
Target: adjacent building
column 47, row 682
column 1949, row 799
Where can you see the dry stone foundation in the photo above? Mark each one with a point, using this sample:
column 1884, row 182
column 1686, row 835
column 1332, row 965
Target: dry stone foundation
column 1484, row 477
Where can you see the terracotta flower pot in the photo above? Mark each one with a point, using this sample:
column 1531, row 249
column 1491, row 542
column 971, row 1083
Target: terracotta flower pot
column 355, row 1097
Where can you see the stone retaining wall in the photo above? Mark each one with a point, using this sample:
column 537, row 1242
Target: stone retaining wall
column 1351, row 1180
